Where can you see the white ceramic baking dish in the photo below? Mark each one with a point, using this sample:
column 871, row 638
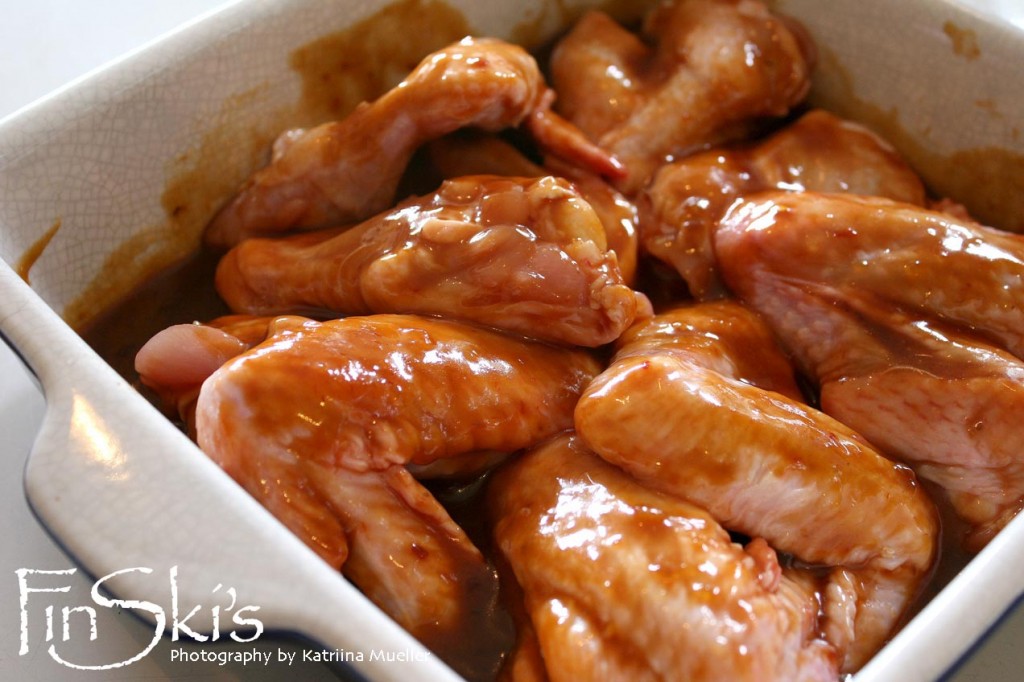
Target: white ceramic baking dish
column 111, row 178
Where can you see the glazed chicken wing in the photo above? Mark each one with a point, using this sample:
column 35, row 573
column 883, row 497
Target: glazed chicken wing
column 454, row 156
column 406, row 554
column 715, row 66
column 903, row 255
column 176, row 361
column 318, row 421
column 940, row 399
column 819, row 152
column 624, row 583
column 524, row 255
column 370, row 392
column 698, row 403
column 348, row 170
column 373, row 524
column 898, row 313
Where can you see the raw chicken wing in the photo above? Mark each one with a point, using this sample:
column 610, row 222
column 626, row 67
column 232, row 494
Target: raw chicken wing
column 524, row 255
column 698, row 403
column 348, row 170
column 318, row 421
column 898, row 314
column 370, row 392
column 819, row 152
column 403, row 551
column 715, row 66
column 902, row 255
column 624, row 583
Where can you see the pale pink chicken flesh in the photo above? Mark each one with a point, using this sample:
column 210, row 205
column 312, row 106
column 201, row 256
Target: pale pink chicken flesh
column 176, row 361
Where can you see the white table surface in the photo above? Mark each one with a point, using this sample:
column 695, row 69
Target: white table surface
column 43, row 45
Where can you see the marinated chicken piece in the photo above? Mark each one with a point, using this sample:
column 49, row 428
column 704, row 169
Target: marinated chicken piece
column 904, row 256
column 346, row 171
column 370, row 392
column 625, row 583
column 455, row 156
column 372, row 524
column 722, row 336
column 699, row 403
column 859, row 289
column 938, row 398
column 819, row 152
column 318, row 421
column 176, row 361
column 524, row 255
column 713, row 68
column 404, row 552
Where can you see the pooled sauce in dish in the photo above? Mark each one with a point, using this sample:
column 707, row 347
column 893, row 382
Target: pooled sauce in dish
column 358, row 64
column 994, row 189
column 180, row 294
column 600, row 623
column 29, row 258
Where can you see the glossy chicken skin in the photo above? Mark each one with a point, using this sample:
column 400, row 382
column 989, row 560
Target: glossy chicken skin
column 455, row 156
column 819, row 152
column 375, row 391
column 176, row 361
column 363, row 522
column 909, row 320
column 699, row 402
column 317, row 422
column 916, row 259
column 348, row 170
column 525, row 255
column 400, row 546
column 624, row 583
column 618, row 214
column 938, row 398
column 715, row 66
